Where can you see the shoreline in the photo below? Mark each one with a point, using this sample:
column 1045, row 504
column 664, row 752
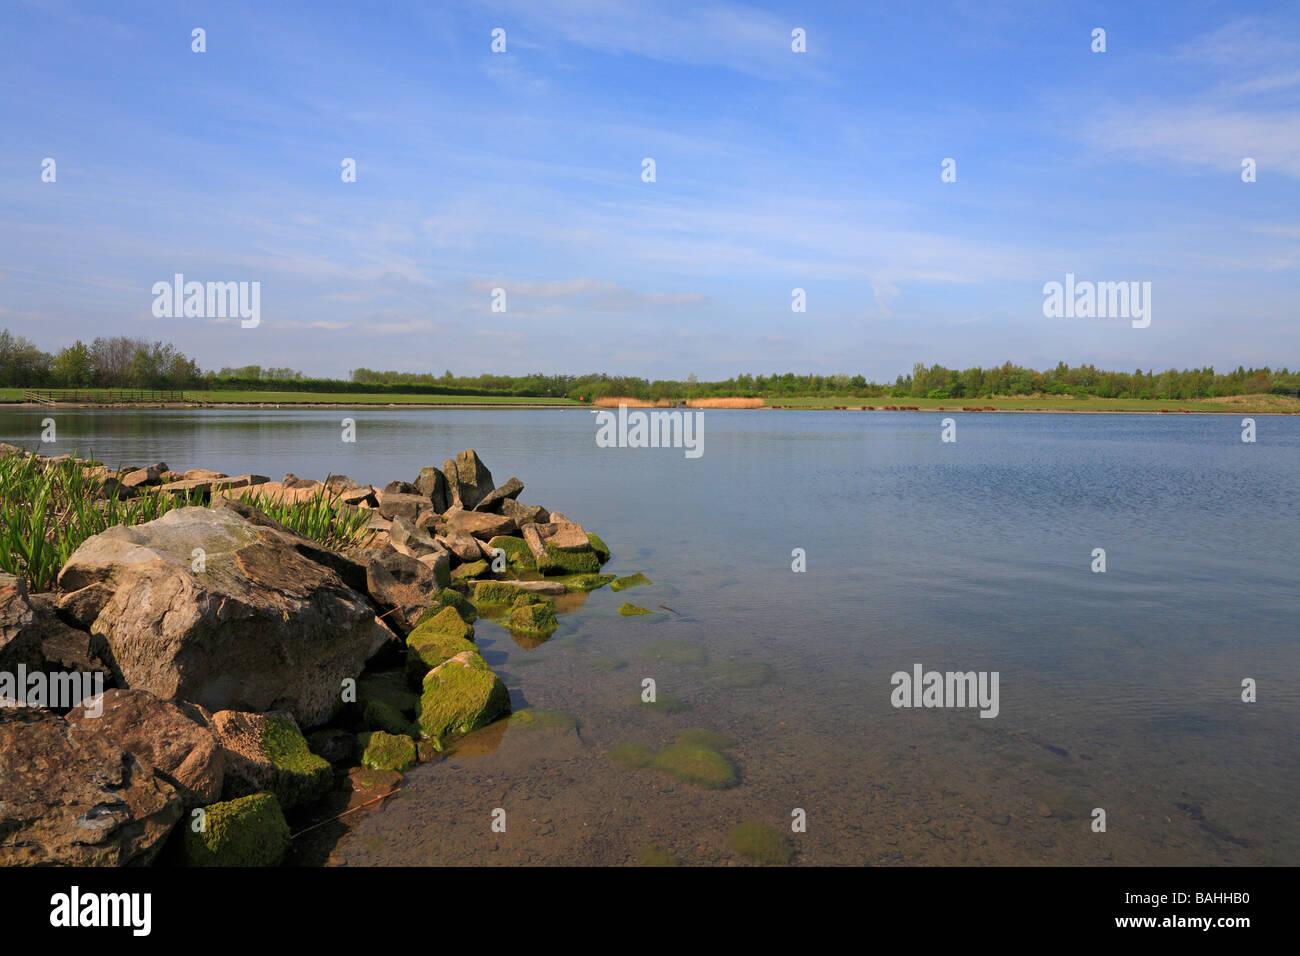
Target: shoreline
column 375, row 607
column 405, row 406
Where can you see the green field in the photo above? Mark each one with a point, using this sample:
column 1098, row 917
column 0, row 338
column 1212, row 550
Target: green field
column 1259, row 404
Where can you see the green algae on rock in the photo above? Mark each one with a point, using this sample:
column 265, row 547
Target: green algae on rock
column 558, row 561
column 585, row 582
column 599, row 547
column 532, row 615
column 491, row 597
column 631, row 610
column 651, row 855
column 388, row 686
column 249, row 831
column 697, row 764
column 632, row 755
column 381, row 715
column 299, row 775
column 447, row 597
column 629, row 581
column 760, row 843
column 473, row 569
column 460, row 695
column 534, row 719
column 385, row 751
column 518, row 555
column 438, row 639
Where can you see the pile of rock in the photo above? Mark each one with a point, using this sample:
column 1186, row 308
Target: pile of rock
column 222, row 635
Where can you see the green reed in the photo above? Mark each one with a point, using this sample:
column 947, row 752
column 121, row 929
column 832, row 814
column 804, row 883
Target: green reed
column 47, row 509
column 323, row 518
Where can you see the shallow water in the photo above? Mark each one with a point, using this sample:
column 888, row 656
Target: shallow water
column 1118, row 690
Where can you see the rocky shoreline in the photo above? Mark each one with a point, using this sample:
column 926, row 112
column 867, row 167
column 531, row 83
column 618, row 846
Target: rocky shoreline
column 249, row 670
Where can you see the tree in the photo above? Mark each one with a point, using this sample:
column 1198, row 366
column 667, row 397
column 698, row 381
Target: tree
column 72, row 366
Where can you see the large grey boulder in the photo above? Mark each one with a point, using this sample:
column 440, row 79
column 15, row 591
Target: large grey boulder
column 70, row 796
column 495, row 498
column 468, row 479
column 432, row 483
column 205, row 605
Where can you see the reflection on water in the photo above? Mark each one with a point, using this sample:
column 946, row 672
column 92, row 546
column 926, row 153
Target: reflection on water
column 1119, row 691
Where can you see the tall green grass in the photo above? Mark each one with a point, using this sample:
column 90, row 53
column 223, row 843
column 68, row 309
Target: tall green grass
column 322, row 518
column 48, row 509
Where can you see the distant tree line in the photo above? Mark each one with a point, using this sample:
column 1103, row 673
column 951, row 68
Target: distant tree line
column 122, row 362
column 117, row 362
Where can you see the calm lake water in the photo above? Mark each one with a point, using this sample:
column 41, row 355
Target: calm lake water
column 1119, row 690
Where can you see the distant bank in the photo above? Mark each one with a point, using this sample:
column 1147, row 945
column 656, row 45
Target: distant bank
column 1263, row 404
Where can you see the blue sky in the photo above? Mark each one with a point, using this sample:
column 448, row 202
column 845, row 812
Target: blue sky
column 775, row 170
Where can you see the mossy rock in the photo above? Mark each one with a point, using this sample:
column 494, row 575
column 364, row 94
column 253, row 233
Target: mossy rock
column 249, row 831
column 474, row 569
column 629, row 581
column 447, row 597
column 697, row 764
column 532, row 617
column 492, row 596
column 631, row 755
column 390, row 687
column 650, row 855
column 461, row 695
column 381, row 715
column 300, row 776
column 568, row 562
column 437, row 639
column 534, row 719
column 363, row 779
column 599, row 547
column 518, row 554
column 759, row 843
column 631, row 610
column 385, row 751
column 739, row 674
column 676, row 653
column 585, row 582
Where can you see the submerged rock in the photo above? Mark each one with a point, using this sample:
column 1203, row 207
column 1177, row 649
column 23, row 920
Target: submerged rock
column 760, row 843
column 532, row 615
column 631, row 610
column 630, row 581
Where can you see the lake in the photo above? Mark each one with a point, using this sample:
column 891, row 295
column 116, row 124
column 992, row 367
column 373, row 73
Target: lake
column 1119, row 690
